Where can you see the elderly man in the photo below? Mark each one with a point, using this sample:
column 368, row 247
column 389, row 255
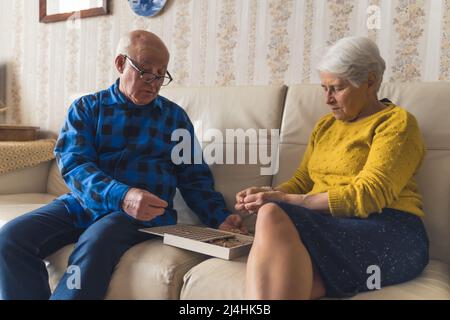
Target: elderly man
column 114, row 153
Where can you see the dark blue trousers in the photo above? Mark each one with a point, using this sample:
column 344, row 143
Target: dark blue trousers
column 27, row 240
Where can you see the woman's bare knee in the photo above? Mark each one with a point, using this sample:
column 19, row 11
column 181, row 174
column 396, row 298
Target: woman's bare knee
column 270, row 213
column 274, row 225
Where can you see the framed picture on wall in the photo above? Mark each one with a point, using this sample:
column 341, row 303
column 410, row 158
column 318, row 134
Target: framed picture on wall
column 147, row 8
column 60, row 10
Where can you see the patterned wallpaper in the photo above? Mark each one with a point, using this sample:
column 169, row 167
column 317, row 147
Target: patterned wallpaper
column 212, row 42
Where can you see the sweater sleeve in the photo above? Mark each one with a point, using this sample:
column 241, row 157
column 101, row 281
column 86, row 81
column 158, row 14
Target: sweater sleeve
column 395, row 155
column 77, row 160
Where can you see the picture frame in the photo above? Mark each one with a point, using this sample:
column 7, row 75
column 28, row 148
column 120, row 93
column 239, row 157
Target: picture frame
column 46, row 16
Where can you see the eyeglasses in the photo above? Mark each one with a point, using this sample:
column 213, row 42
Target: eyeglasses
column 149, row 77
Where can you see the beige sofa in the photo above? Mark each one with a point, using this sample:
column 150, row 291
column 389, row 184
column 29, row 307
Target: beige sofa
column 152, row 270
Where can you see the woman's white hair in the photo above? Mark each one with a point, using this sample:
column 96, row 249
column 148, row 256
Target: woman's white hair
column 353, row 58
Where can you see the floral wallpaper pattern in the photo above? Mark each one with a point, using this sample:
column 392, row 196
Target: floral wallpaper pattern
column 373, row 33
column 181, row 41
column 409, row 21
column 279, row 51
column 445, row 48
column 307, row 42
column 212, row 42
column 140, row 22
column 226, row 35
column 203, row 40
column 17, row 74
column 340, row 11
column 72, row 60
column 107, row 51
column 42, row 108
column 253, row 13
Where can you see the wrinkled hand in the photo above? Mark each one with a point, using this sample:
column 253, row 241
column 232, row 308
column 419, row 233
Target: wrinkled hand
column 143, row 205
column 233, row 223
column 251, row 199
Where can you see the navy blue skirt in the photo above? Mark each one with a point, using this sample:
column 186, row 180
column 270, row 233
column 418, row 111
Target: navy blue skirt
column 349, row 253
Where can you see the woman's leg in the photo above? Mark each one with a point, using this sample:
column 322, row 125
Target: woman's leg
column 279, row 266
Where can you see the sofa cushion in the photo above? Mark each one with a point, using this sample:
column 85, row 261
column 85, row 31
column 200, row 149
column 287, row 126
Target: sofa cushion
column 149, row 270
column 27, row 180
column 290, row 156
column 432, row 284
column 27, row 198
column 228, row 278
column 14, row 205
column 11, row 211
column 229, row 283
column 433, row 179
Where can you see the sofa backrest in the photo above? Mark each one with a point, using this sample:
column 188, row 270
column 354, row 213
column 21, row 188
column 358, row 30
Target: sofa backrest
column 429, row 103
column 222, row 108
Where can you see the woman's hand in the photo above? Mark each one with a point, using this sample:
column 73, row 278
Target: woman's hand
column 251, row 199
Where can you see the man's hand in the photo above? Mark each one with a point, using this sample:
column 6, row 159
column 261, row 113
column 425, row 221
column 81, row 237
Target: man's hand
column 233, row 223
column 251, row 199
column 143, row 205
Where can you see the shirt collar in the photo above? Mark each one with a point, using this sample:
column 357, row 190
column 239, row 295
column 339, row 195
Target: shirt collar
column 119, row 98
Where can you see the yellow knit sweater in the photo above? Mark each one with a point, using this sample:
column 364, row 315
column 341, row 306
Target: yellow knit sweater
column 364, row 166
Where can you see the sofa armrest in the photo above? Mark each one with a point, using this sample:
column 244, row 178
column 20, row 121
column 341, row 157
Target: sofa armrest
column 27, row 180
column 55, row 182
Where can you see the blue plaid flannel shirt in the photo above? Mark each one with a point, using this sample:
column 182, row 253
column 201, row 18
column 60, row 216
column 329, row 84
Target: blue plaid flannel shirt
column 109, row 145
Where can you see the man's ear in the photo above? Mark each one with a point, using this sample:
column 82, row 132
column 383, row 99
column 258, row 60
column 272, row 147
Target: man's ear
column 120, row 63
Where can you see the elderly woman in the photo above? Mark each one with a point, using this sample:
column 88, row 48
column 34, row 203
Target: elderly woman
column 349, row 220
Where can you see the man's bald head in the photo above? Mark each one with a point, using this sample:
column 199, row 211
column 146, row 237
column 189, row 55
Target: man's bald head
column 137, row 41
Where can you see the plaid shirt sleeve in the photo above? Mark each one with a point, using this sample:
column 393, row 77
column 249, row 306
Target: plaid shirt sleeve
column 76, row 156
column 196, row 185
